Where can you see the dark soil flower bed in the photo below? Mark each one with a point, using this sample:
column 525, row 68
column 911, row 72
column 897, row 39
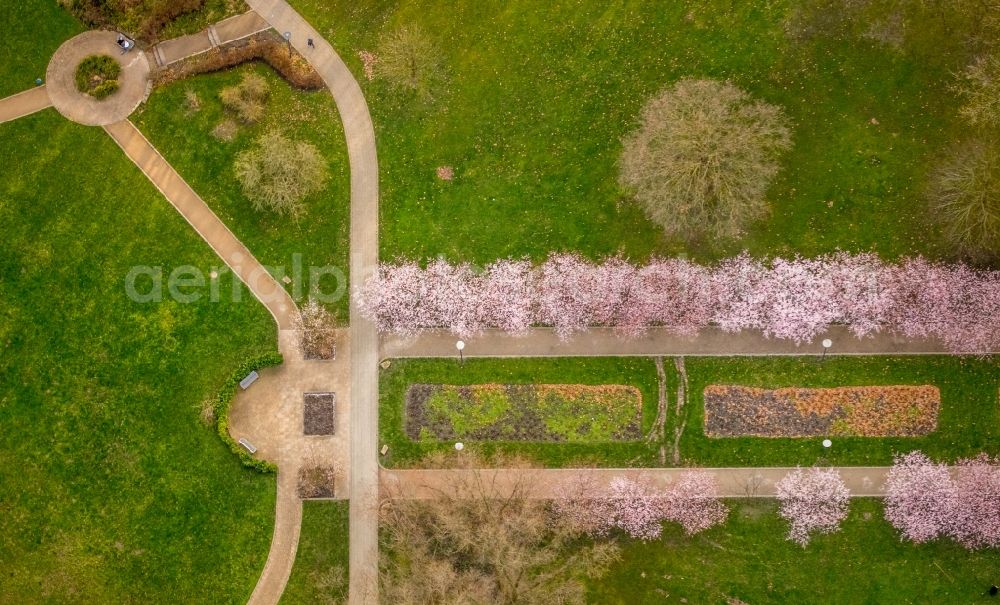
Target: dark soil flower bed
column 316, row 482
column 869, row 411
column 319, row 414
column 523, row 412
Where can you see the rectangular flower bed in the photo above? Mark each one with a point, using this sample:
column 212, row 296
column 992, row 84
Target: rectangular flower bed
column 523, row 412
column 866, row 411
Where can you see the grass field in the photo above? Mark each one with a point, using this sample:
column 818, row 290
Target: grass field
column 637, row 372
column 538, row 98
column 321, row 564
column 113, row 491
column 31, row 31
column 748, row 558
column 969, row 420
column 184, row 138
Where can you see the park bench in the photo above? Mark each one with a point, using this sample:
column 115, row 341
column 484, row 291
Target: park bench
column 249, row 446
column 249, row 380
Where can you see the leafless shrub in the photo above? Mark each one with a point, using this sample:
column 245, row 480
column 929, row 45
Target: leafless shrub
column 965, row 198
column 408, row 59
column 207, row 412
column 191, row 101
column 479, row 542
column 278, row 173
column 318, row 329
column 703, row 157
column 317, row 481
column 225, row 130
column 979, row 85
column 246, row 99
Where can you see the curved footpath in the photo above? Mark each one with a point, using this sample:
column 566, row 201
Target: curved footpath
column 360, row 135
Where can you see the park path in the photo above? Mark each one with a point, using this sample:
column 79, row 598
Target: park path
column 550, row 483
column 264, row 287
column 543, row 342
column 360, row 135
column 24, row 103
column 223, row 32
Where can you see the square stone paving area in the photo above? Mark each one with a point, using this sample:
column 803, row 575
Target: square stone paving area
column 319, row 414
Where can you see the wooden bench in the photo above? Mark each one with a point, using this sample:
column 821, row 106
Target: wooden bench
column 249, row 380
column 249, row 446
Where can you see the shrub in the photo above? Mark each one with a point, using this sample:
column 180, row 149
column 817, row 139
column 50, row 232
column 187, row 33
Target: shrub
column 965, row 198
column 97, row 76
column 225, row 399
column 225, row 130
column 247, row 99
column 409, row 60
column 278, row 173
column 145, row 17
column 815, row 500
column 703, row 158
column 318, row 330
column 191, row 101
column 980, row 86
column 266, row 46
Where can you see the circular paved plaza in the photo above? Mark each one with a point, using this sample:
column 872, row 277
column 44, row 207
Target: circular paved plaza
column 80, row 107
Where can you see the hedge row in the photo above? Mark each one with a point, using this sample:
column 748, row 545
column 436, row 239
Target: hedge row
column 225, row 399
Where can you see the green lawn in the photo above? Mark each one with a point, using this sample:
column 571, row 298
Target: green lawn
column 30, row 31
column 969, row 420
column 320, row 572
column 184, row 138
column 111, row 489
column 748, row 558
column 539, row 96
column 638, row 372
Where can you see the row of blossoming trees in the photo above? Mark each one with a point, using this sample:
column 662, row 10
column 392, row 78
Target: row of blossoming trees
column 924, row 500
column 791, row 299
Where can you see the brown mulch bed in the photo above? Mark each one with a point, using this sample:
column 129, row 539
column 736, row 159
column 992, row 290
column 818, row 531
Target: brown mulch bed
column 319, row 414
column 868, row 411
column 316, row 482
column 267, row 46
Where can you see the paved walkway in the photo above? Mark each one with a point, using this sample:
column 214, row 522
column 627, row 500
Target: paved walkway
column 223, row 32
column 549, row 483
column 60, row 77
column 543, row 342
column 24, row 103
column 270, row 415
column 205, row 222
column 360, row 135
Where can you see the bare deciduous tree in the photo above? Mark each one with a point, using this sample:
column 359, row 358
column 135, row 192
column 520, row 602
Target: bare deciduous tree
column 278, row 173
column 318, row 331
column 408, row 59
column 483, row 541
column 703, row 158
column 965, row 198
